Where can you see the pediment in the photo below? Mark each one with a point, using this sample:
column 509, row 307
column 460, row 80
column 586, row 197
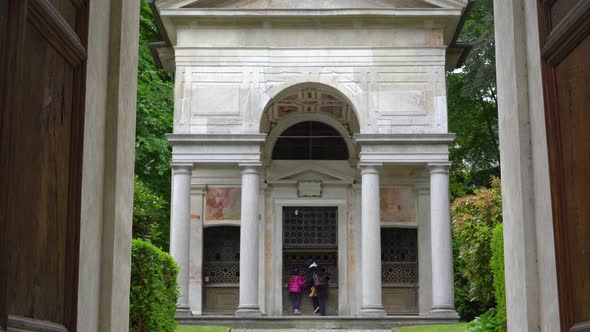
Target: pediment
column 317, row 4
column 313, row 173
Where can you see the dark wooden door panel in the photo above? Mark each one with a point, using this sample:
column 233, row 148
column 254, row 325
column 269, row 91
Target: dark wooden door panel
column 42, row 130
column 565, row 39
column 573, row 97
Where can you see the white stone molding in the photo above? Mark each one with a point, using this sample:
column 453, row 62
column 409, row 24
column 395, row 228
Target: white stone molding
column 180, row 228
column 249, row 242
column 404, row 148
column 443, row 302
column 227, row 149
column 371, row 298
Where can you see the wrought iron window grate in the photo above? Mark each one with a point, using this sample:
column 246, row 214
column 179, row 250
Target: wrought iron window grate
column 327, row 261
column 310, row 227
column 221, row 255
column 399, row 256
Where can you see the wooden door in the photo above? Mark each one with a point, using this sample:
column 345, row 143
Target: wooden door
column 565, row 44
column 41, row 134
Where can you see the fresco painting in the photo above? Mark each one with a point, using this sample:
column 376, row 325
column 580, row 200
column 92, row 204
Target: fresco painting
column 397, row 204
column 223, row 204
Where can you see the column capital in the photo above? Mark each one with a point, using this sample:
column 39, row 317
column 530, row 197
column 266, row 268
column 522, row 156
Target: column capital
column 250, row 168
column 182, row 167
column 370, row 168
column 439, row 168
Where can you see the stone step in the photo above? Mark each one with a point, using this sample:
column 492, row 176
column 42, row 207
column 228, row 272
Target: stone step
column 308, row 330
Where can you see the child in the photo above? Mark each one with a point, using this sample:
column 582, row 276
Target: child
column 295, row 284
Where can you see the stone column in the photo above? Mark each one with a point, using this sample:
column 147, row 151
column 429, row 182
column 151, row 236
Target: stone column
column 249, row 242
column 180, row 227
column 371, row 299
column 442, row 256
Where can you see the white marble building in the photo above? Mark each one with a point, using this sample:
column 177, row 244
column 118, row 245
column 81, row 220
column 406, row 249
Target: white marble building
column 311, row 130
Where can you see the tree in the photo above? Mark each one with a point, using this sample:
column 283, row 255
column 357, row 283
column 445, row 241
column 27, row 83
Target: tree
column 473, row 112
column 155, row 106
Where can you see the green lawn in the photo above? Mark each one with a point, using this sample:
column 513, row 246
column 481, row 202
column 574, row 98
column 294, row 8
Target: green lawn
column 186, row 328
column 435, row 328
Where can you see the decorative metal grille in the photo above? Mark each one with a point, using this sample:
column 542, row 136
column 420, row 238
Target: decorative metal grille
column 310, row 226
column 399, row 273
column 327, row 261
column 399, row 256
column 220, row 273
column 221, row 255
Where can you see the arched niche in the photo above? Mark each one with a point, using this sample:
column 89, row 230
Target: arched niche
column 309, row 102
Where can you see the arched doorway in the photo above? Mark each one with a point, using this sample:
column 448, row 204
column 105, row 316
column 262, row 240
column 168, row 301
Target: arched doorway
column 310, row 129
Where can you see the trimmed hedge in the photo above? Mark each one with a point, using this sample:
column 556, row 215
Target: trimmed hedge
column 497, row 266
column 153, row 289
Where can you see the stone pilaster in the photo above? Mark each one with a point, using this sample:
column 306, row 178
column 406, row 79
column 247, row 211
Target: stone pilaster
column 195, row 287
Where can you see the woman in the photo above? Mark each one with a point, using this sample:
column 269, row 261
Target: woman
column 320, row 283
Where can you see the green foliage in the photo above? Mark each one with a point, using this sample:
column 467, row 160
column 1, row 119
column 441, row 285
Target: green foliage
column 153, row 289
column 155, row 105
column 467, row 307
column 150, row 214
column 474, row 218
column 480, row 66
column 475, row 154
column 497, row 266
column 487, row 322
column 472, row 103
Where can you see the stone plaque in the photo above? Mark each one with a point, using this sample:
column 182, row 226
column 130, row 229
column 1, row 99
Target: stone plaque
column 310, row 189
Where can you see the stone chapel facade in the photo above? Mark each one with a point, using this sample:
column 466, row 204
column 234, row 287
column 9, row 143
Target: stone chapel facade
column 312, row 130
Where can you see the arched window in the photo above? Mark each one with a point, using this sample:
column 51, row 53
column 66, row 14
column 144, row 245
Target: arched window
column 310, row 140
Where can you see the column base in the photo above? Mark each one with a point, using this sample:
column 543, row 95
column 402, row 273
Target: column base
column 372, row 311
column 183, row 310
column 248, row 311
column 445, row 312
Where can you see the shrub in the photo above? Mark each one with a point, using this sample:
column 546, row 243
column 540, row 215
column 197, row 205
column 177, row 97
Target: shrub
column 497, row 266
column 153, row 289
column 474, row 218
column 149, row 214
column 487, row 322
